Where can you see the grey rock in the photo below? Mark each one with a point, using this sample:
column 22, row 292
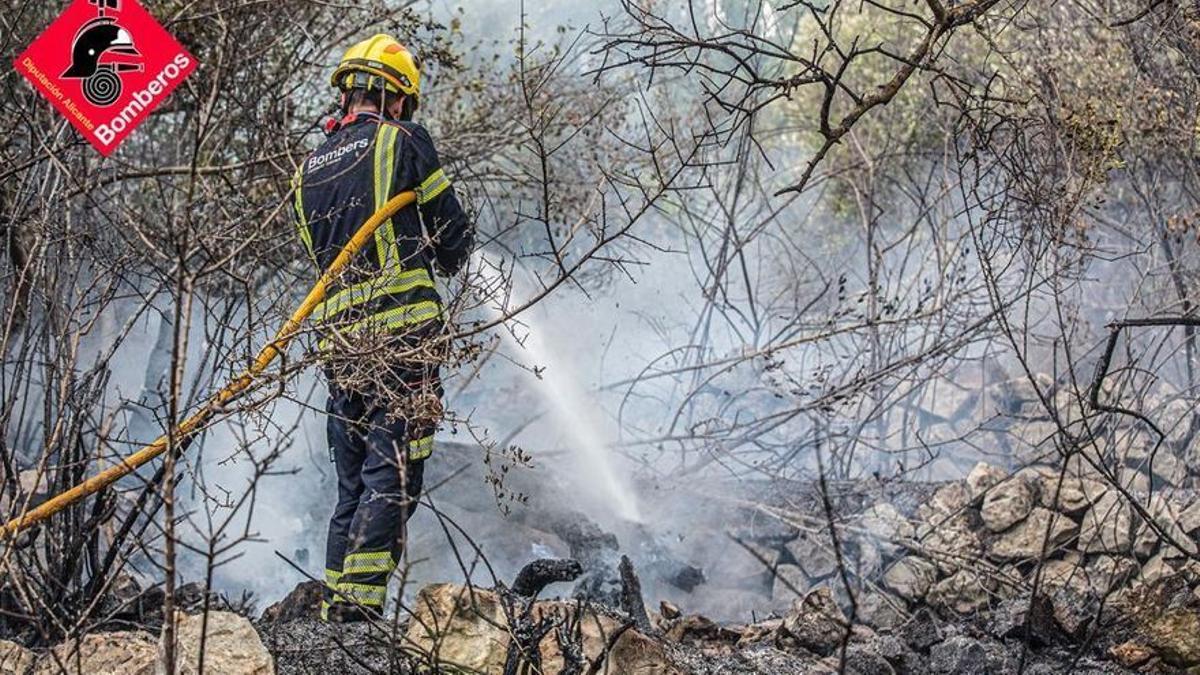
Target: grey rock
column 230, row 645
column 1036, row 473
column 1107, row 573
column 981, row 478
column 889, row 647
column 964, row 592
column 1134, row 480
column 1025, row 540
column 1156, row 569
column 962, row 655
column 15, row 658
column 1108, row 526
column 887, row 525
column 881, row 611
column 126, row 652
column 815, row 624
column 1008, row 503
column 1074, row 611
column 897, row 653
column 951, row 545
column 1009, row 579
column 1066, row 571
column 910, row 577
column 864, row 660
column 1163, row 513
column 949, row 500
column 1071, row 495
column 1166, row 468
column 1189, row 518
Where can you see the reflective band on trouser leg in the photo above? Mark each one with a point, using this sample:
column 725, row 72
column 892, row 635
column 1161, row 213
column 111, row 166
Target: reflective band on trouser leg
column 371, row 595
column 369, row 563
column 331, row 581
column 385, row 164
column 431, row 187
column 405, row 315
column 360, row 294
column 420, row 448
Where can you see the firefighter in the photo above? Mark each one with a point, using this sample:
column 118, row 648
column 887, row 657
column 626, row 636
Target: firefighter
column 382, row 411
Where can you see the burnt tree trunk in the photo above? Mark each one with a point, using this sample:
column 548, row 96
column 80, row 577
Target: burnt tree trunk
column 631, row 595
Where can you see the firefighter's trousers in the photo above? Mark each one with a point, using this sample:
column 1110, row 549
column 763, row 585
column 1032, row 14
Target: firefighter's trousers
column 380, row 469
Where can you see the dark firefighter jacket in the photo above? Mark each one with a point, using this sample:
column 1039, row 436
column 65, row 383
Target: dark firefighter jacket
column 389, row 287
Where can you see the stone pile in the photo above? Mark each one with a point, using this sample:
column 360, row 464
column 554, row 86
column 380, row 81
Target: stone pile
column 1033, row 571
column 1038, row 555
column 1039, row 570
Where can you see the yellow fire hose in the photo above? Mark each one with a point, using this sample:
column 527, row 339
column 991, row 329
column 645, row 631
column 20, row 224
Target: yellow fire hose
column 231, row 391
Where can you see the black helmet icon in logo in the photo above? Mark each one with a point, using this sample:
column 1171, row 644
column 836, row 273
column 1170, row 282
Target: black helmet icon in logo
column 101, row 38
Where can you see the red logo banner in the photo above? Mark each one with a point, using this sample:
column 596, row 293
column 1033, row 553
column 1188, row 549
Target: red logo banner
column 105, row 64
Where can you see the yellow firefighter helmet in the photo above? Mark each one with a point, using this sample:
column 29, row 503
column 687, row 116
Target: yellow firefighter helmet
column 379, row 60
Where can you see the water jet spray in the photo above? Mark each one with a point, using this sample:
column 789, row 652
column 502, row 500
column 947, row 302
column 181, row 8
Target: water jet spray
column 575, row 413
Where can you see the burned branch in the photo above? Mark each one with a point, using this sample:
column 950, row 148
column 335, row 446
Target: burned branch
column 539, row 574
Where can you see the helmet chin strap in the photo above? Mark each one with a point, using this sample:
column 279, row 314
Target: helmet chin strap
column 383, row 111
column 331, row 124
